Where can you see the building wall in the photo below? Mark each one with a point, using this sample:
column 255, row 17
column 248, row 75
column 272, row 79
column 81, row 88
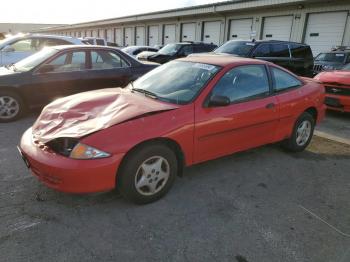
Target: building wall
column 14, row 28
column 299, row 9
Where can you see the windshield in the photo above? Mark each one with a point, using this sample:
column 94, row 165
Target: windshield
column 239, row 48
column 170, row 49
column 32, row 61
column 176, row 82
column 331, row 57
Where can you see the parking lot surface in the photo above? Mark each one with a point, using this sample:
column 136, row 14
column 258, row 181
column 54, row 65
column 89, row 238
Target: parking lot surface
column 260, row 205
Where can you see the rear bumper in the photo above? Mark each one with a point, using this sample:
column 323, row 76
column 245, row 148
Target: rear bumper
column 69, row 175
column 343, row 105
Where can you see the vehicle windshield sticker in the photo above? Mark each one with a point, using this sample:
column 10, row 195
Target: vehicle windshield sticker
column 204, row 66
column 339, row 54
column 252, row 44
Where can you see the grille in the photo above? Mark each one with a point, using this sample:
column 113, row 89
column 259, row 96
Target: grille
column 318, row 68
column 337, row 90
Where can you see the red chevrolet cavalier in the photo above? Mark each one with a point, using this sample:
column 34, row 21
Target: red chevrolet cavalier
column 337, row 84
column 182, row 113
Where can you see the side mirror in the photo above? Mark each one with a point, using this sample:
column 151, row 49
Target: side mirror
column 46, row 69
column 215, row 101
column 8, row 49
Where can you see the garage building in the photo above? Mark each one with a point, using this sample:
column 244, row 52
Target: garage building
column 322, row 24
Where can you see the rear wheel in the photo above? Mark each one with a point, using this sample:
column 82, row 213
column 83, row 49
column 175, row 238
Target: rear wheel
column 11, row 106
column 302, row 133
column 148, row 174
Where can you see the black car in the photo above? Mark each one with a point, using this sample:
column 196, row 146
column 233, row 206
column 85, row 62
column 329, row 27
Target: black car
column 294, row 56
column 61, row 71
column 178, row 50
column 333, row 60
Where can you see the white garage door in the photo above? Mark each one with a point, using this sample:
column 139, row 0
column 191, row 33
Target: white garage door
column 169, row 34
column 153, row 35
column 241, row 28
column 188, row 32
column 128, row 36
column 101, row 33
column 119, row 36
column 277, row 28
column 211, row 32
column 325, row 30
column 140, row 35
column 110, row 37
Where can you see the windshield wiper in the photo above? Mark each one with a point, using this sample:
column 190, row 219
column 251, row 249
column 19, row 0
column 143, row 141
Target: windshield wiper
column 145, row 92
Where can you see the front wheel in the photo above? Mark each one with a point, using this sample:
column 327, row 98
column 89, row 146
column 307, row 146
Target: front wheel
column 302, row 133
column 11, row 106
column 148, row 174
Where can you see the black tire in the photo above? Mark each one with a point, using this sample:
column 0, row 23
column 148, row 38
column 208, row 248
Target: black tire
column 291, row 144
column 5, row 117
column 130, row 171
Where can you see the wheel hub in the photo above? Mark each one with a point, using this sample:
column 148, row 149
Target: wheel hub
column 9, row 107
column 152, row 175
column 303, row 132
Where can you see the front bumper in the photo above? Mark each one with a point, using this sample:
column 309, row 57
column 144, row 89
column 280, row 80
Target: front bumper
column 341, row 103
column 69, row 175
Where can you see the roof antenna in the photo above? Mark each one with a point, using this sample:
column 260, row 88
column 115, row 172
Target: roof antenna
column 253, row 40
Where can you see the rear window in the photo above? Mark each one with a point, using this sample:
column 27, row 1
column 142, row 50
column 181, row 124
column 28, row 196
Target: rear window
column 301, row 51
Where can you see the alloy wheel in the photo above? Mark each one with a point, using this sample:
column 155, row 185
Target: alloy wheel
column 9, row 107
column 152, row 175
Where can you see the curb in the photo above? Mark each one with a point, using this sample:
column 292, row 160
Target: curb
column 332, row 137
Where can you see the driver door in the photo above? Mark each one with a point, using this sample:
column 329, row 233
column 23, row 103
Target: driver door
column 61, row 76
column 250, row 120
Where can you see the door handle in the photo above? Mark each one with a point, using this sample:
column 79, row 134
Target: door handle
column 270, row 106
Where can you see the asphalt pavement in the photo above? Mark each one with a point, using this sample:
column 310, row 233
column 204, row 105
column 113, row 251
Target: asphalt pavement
column 263, row 205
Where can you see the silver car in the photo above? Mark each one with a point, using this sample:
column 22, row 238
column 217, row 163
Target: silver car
column 16, row 48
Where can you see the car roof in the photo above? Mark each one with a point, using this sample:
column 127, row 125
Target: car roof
column 66, row 47
column 266, row 41
column 221, row 59
column 24, row 36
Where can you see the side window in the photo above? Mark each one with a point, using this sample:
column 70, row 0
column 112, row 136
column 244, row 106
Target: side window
column 186, row 50
column 68, row 62
column 243, row 83
column 283, row 80
column 279, row 50
column 106, row 60
column 348, row 59
column 262, row 51
column 25, row 45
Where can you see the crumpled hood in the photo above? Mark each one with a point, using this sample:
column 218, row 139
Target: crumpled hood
column 82, row 114
column 339, row 77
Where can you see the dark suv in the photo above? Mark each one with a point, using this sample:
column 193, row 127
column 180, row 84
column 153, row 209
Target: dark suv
column 178, row 50
column 333, row 60
column 294, row 56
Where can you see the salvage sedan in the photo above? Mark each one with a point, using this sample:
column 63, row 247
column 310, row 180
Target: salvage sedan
column 191, row 110
column 61, row 71
column 337, row 84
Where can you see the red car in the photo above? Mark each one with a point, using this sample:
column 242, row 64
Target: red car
column 337, row 84
column 182, row 113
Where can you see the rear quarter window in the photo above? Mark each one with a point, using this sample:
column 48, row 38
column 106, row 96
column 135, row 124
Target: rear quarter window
column 282, row 80
column 301, row 51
